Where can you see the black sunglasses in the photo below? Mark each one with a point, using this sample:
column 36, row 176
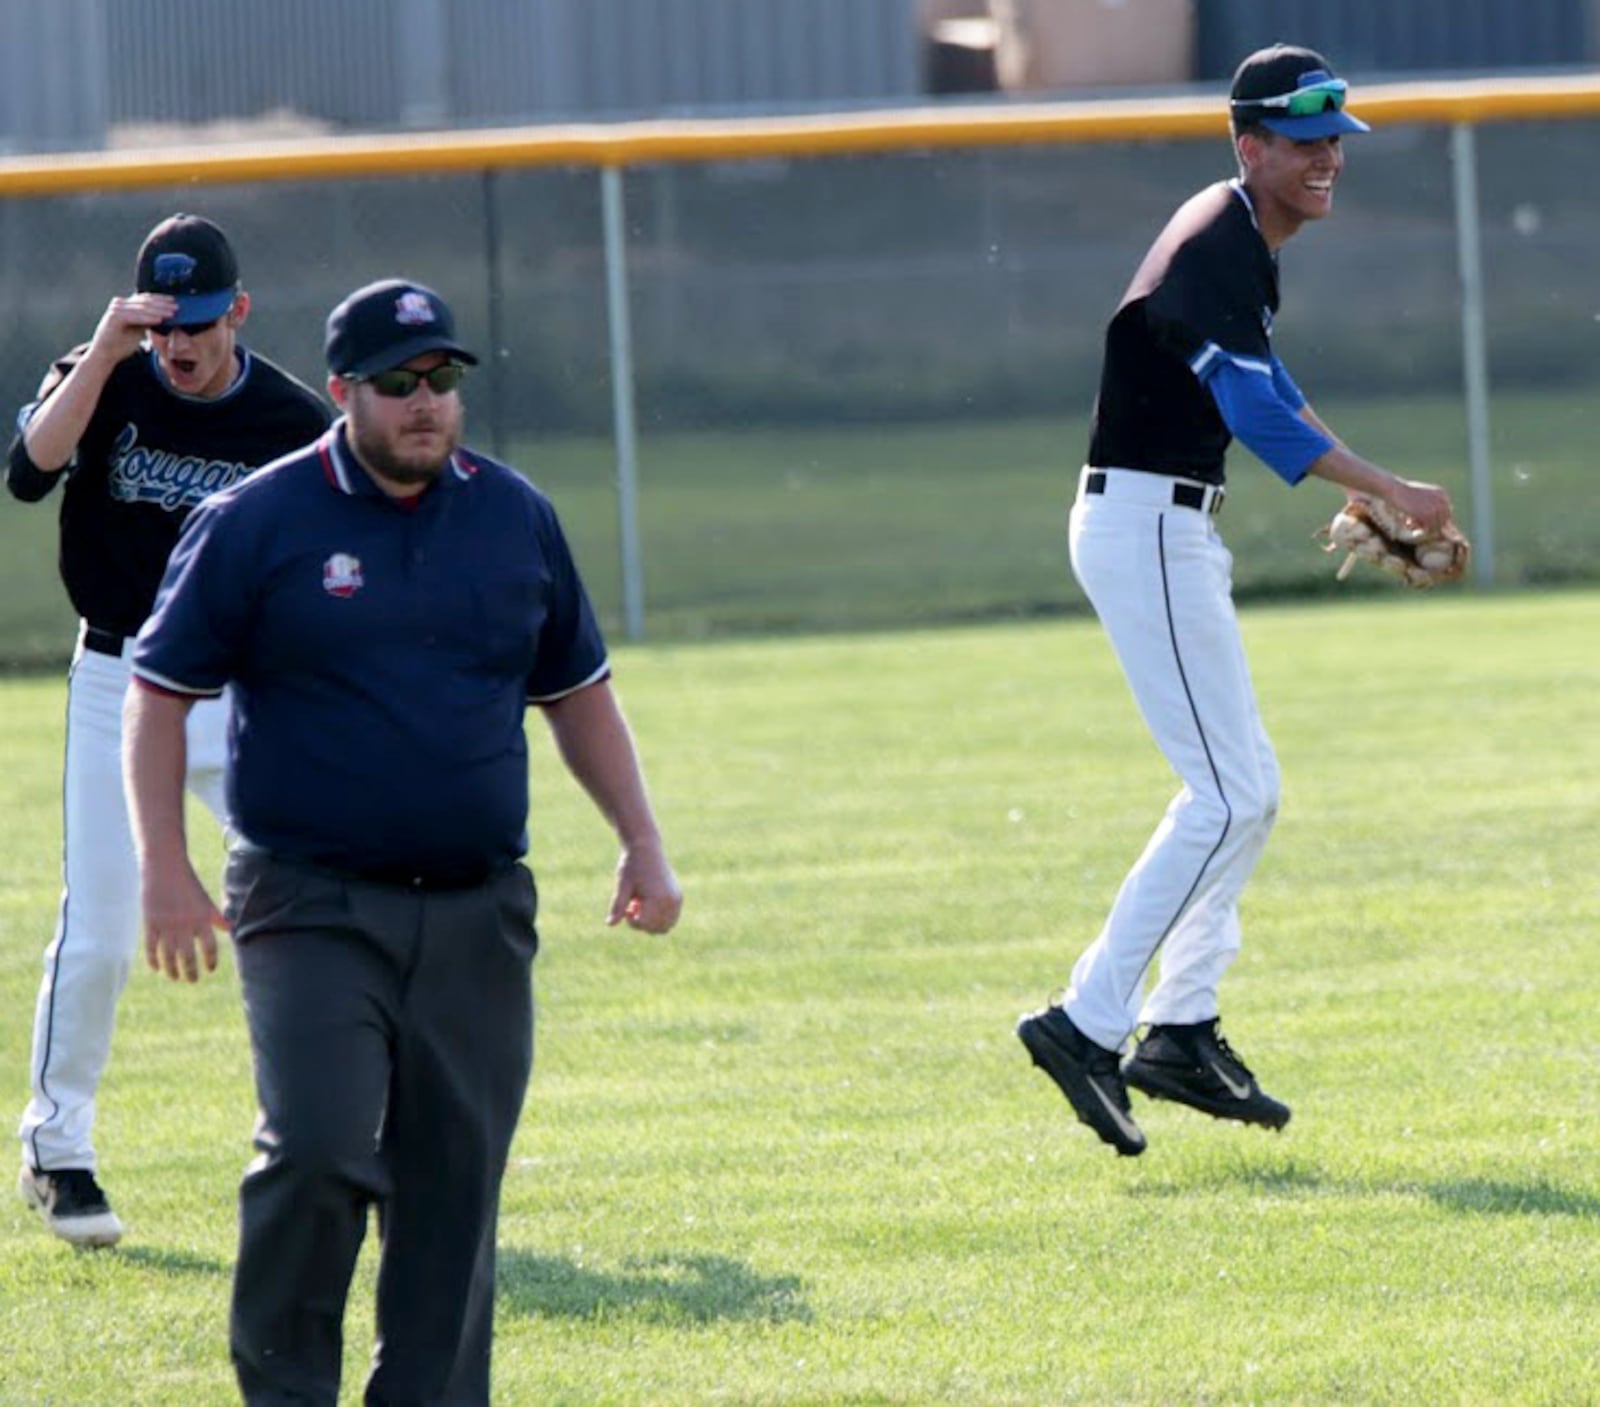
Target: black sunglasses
column 401, row 382
column 188, row 329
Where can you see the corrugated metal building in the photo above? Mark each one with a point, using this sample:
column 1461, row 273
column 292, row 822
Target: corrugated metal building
column 76, row 69
column 53, row 86
column 1371, row 37
column 75, row 72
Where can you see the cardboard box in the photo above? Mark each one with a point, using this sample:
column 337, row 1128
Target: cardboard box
column 1047, row 44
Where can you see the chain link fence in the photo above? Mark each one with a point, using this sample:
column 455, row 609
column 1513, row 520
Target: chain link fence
column 863, row 382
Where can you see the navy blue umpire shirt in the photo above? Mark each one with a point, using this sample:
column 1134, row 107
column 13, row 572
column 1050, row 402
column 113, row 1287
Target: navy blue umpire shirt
column 380, row 654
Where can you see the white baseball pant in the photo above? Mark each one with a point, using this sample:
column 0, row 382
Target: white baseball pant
column 97, row 929
column 1160, row 579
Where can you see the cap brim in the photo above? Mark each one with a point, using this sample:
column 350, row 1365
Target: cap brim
column 402, row 352
column 200, row 307
column 1318, row 124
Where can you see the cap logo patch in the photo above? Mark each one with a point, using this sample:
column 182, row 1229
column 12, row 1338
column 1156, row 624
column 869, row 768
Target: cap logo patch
column 173, row 270
column 341, row 575
column 412, row 309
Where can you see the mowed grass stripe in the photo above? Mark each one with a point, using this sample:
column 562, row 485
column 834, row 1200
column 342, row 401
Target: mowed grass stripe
column 755, row 529
column 794, row 1154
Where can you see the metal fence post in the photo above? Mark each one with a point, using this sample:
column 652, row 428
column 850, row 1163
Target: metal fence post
column 622, row 400
column 495, row 315
column 1474, row 346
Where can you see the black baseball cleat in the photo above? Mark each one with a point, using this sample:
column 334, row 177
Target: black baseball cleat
column 1195, row 1065
column 1087, row 1074
column 71, row 1204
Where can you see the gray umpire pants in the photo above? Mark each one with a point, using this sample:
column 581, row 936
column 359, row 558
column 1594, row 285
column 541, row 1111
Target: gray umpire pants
column 392, row 1034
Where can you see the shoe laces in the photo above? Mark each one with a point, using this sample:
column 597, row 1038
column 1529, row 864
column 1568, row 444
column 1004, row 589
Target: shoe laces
column 1227, row 1051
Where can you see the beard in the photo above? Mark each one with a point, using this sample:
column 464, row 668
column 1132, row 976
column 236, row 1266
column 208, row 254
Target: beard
column 384, row 455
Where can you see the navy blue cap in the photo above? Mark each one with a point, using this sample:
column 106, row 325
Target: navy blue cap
column 385, row 324
column 189, row 258
column 1277, row 72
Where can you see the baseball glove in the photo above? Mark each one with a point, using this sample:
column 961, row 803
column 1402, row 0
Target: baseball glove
column 1369, row 529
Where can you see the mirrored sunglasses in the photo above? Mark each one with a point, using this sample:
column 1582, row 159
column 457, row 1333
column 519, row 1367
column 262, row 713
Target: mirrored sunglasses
column 1327, row 96
column 399, row 383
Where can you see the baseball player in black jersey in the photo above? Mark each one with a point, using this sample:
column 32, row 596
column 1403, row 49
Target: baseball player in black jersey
column 160, row 408
column 1189, row 367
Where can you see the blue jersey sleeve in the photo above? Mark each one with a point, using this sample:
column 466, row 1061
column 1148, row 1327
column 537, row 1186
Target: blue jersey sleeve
column 1292, row 395
column 1258, row 401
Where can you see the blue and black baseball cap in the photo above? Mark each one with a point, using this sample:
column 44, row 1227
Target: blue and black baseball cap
column 1293, row 92
column 189, row 258
column 385, row 324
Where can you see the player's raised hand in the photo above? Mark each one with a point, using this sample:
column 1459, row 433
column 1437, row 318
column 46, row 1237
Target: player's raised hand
column 125, row 322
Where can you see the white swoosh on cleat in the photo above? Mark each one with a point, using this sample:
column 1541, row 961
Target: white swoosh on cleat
column 1130, row 1130
column 1237, row 1090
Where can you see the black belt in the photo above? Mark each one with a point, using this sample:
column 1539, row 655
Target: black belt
column 394, row 876
column 103, row 642
column 426, row 882
column 1184, row 494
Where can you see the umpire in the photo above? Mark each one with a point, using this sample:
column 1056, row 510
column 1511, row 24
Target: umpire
column 384, row 606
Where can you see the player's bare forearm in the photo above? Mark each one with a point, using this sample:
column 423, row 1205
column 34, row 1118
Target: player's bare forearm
column 597, row 747
column 52, row 433
column 1316, row 422
column 180, row 918
column 1427, row 504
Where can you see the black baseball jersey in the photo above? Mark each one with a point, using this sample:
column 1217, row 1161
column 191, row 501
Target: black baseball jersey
column 148, row 455
column 1209, row 284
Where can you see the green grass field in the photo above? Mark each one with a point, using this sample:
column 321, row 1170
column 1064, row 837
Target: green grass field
column 883, row 526
column 794, row 1154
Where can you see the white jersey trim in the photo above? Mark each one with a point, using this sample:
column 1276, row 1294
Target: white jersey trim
column 595, row 678
column 1238, row 189
column 341, row 469
column 173, row 686
column 1202, row 360
column 234, row 388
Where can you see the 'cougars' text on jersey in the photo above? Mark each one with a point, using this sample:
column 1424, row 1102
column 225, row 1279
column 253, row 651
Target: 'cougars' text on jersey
column 146, row 459
column 140, row 474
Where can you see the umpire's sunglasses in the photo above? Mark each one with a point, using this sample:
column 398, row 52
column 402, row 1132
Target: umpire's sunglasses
column 400, row 382
column 1303, row 102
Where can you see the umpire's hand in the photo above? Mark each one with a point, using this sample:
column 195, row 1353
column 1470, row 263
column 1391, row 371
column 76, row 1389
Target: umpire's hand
column 180, row 921
column 648, row 895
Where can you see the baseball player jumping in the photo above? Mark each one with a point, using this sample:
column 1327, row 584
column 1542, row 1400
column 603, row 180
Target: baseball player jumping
column 160, row 408
column 1188, row 367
